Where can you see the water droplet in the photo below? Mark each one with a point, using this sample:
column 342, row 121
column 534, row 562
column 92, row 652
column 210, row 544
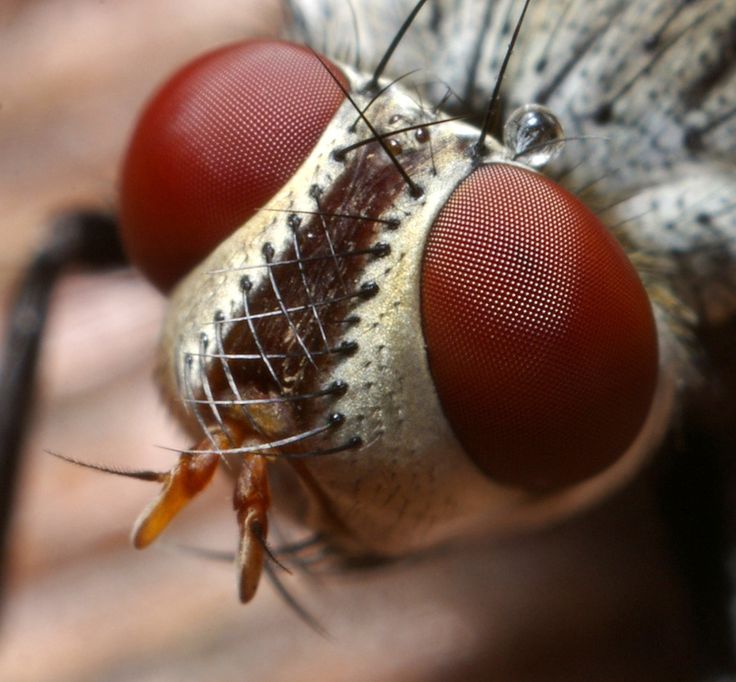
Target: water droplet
column 533, row 134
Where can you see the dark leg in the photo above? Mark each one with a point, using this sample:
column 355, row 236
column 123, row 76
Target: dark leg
column 87, row 240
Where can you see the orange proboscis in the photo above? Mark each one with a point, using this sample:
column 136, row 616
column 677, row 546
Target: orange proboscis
column 251, row 500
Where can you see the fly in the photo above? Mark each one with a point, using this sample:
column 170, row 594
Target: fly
column 266, row 417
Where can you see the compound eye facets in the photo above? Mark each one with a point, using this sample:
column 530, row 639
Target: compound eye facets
column 216, row 142
column 539, row 333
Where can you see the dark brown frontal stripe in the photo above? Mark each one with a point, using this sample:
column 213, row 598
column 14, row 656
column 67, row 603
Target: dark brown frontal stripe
column 296, row 325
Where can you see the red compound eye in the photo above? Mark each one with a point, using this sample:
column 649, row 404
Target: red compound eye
column 539, row 333
column 215, row 144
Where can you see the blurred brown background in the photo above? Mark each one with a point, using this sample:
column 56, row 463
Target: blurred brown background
column 594, row 599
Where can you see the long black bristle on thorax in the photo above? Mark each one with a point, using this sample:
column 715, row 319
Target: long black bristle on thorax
column 373, row 82
column 492, row 111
